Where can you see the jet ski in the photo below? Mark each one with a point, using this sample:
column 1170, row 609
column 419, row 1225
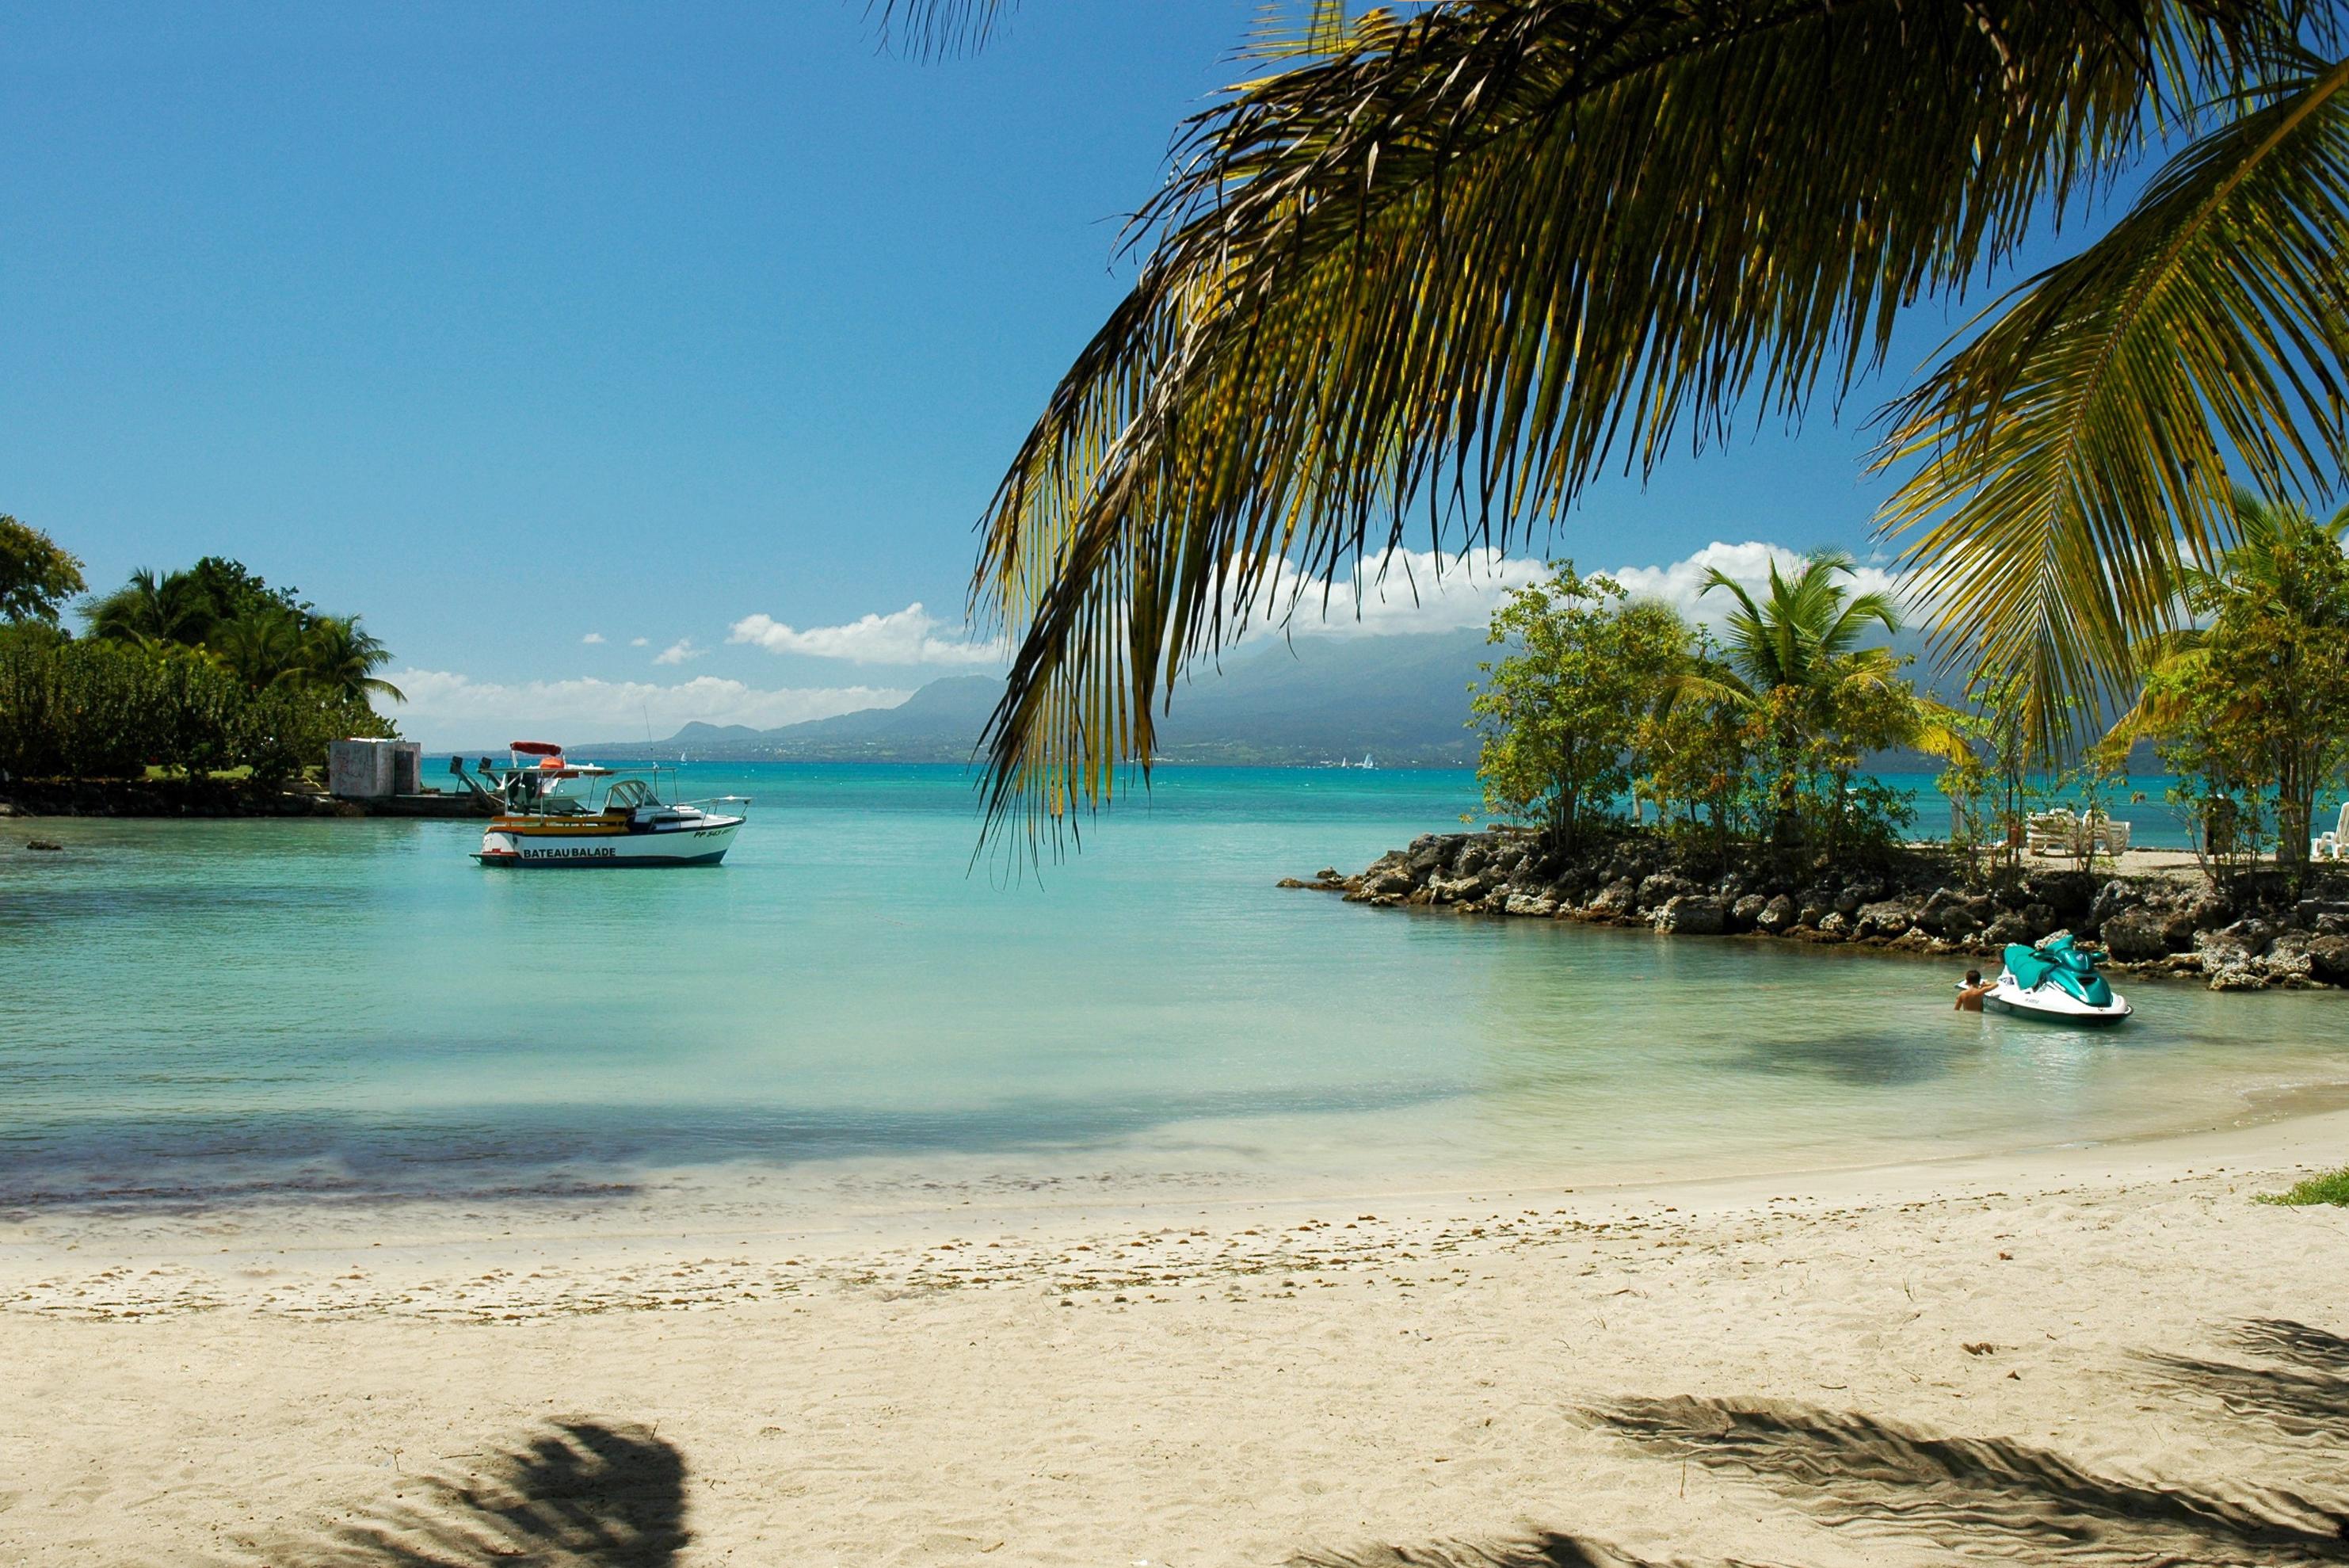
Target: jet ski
column 2058, row 982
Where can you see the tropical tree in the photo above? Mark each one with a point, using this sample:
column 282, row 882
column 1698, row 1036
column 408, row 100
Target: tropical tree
column 1559, row 714
column 2251, row 699
column 1816, row 699
column 263, row 648
column 154, row 609
column 1444, row 267
column 36, row 576
column 340, row 657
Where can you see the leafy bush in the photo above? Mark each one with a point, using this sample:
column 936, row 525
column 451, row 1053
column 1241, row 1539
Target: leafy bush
column 91, row 710
column 2331, row 1188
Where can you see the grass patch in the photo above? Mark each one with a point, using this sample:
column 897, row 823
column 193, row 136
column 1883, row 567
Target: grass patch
column 2332, row 1188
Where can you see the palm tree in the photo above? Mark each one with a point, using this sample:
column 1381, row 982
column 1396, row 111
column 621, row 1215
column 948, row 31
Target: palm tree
column 1450, row 266
column 262, row 649
column 2265, row 572
column 340, row 657
column 1793, row 661
column 153, row 609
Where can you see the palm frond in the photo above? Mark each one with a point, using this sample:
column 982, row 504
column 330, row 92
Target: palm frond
column 931, row 29
column 2073, row 457
column 1450, row 274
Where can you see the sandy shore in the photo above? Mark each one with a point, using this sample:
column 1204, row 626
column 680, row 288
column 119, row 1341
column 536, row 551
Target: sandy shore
column 2106, row 1356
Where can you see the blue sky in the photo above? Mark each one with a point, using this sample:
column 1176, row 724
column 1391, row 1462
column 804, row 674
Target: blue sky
column 507, row 325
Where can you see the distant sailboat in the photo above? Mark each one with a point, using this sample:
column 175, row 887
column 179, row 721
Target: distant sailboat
column 1366, row 760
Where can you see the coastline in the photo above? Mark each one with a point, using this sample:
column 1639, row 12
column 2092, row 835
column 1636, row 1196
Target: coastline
column 1264, row 1380
column 2151, row 918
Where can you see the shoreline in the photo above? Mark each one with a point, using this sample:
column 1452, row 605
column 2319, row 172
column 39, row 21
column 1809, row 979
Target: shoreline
column 1271, row 1381
column 2249, row 934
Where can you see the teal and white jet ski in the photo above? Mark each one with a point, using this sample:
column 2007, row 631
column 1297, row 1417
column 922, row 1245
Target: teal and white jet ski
column 2058, row 982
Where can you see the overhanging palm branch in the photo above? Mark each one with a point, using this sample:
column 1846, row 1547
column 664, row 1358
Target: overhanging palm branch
column 1453, row 272
column 2075, row 456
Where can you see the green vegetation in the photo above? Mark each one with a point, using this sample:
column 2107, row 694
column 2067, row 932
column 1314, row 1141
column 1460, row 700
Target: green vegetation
column 2332, row 1188
column 2250, row 707
column 1446, row 265
column 36, row 576
column 1560, row 715
column 204, row 671
column 1758, row 742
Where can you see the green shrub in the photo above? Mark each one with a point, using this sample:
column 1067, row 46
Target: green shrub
column 2332, row 1188
column 93, row 709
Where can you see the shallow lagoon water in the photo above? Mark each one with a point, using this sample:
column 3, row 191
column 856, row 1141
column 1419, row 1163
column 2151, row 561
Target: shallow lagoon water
column 214, row 1011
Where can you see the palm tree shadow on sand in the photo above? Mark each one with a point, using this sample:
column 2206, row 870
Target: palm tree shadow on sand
column 1992, row 1497
column 575, row 1494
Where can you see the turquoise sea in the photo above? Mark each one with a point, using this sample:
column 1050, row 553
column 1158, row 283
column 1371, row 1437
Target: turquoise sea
column 214, row 1013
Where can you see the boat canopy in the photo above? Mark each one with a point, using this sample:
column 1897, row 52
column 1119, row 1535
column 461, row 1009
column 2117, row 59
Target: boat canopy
column 2058, row 960
column 535, row 748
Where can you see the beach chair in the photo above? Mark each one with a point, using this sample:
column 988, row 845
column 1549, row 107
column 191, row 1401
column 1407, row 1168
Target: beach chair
column 2054, row 831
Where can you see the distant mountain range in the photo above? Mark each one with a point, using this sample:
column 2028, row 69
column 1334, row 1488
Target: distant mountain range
column 1403, row 700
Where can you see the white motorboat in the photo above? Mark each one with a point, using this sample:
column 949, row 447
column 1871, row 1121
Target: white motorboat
column 552, row 812
column 2057, row 982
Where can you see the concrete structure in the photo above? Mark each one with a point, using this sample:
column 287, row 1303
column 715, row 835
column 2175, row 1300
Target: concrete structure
column 374, row 769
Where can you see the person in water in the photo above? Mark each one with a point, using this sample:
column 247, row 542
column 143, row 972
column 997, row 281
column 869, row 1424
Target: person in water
column 1971, row 995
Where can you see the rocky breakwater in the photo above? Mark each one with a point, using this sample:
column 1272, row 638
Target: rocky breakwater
column 2248, row 940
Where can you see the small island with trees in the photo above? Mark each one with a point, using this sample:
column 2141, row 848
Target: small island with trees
column 1643, row 771
column 198, row 691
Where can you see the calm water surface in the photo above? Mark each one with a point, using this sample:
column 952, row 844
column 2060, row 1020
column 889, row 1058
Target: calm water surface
column 205, row 1011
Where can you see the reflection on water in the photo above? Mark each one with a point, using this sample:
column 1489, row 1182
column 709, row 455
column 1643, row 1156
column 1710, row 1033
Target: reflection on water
column 191, row 1012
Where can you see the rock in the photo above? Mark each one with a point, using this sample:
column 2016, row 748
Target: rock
column 2137, row 935
column 1692, row 914
column 2287, row 960
column 1835, row 924
column 47, row 845
column 2012, row 926
column 1615, row 899
column 1660, row 889
column 1848, row 902
column 2223, row 953
column 1455, row 889
column 2068, row 893
column 2311, row 913
column 1777, row 916
column 2328, row 958
column 1327, row 874
column 1529, row 904
column 2251, row 934
column 1887, row 918
column 2112, row 899
column 1748, row 910
column 1949, row 913
column 2238, row 977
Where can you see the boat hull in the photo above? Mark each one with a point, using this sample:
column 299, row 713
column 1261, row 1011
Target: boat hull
column 556, row 851
column 2053, row 1004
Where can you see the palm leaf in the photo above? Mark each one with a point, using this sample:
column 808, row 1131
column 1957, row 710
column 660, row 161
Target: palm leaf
column 930, row 29
column 1450, row 274
column 2073, row 458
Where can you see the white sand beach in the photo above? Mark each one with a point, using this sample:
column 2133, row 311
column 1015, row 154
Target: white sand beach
column 2101, row 1356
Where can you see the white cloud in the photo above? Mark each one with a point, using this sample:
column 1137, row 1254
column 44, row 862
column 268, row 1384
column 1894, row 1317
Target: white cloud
column 908, row 636
column 1401, row 591
column 678, row 652
column 639, row 641
column 592, row 637
column 1681, row 584
column 447, row 708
